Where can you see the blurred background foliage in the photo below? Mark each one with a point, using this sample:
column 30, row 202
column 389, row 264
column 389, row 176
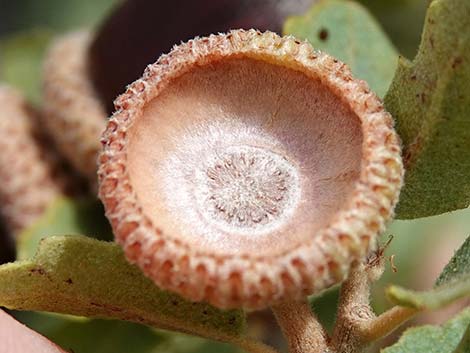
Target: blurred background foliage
column 421, row 247
column 402, row 19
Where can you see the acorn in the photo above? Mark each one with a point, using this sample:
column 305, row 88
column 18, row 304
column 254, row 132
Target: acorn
column 138, row 31
column 29, row 179
column 245, row 169
column 73, row 114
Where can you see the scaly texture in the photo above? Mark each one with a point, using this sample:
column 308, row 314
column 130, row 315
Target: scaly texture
column 73, row 113
column 192, row 255
column 430, row 101
column 28, row 182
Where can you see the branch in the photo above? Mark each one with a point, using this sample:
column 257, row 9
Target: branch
column 301, row 328
column 386, row 323
column 357, row 325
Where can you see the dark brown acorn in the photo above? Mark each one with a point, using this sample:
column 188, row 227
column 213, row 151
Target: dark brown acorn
column 139, row 31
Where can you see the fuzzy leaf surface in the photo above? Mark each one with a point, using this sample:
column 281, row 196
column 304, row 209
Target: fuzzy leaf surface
column 464, row 345
column 430, row 101
column 459, row 265
column 82, row 276
column 432, row 299
column 347, row 31
column 449, row 338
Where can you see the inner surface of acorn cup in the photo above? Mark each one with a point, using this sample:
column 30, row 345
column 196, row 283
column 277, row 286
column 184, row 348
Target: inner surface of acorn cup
column 245, row 169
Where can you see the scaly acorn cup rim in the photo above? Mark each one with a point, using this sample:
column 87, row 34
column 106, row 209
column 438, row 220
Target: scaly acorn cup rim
column 253, row 281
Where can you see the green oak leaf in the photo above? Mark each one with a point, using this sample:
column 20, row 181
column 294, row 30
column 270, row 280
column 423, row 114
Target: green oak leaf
column 65, row 216
column 459, row 265
column 452, row 284
column 82, row 276
column 430, row 101
column 21, row 58
column 464, row 345
column 432, row 299
column 435, row 339
column 347, row 31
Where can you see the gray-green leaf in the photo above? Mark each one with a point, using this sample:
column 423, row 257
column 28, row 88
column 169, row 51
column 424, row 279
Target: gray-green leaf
column 434, row 339
column 458, row 266
column 347, row 31
column 86, row 277
column 430, row 100
column 432, row 299
column 464, row 345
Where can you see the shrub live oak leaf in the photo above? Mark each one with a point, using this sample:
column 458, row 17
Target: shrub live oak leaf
column 83, row 276
column 452, row 284
column 452, row 337
column 347, row 31
column 430, row 101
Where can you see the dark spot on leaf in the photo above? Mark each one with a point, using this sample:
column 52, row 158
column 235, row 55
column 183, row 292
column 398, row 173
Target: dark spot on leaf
column 423, row 97
column 411, row 151
column 323, row 34
column 69, row 281
column 407, row 156
column 38, row 270
column 413, row 77
column 174, row 302
column 457, row 62
column 431, row 41
column 204, row 312
column 231, row 320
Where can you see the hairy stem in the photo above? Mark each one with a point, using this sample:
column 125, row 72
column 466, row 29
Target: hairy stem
column 356, row 324
column 353, row 311
column 301, row 328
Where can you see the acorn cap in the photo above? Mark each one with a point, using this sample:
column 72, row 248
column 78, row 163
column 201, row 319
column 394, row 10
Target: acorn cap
column 244, row 169
column 74, row 115
column 28, row 176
